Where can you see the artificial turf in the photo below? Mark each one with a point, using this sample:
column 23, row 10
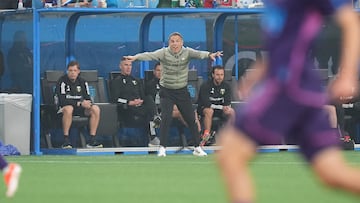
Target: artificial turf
column 280, row 177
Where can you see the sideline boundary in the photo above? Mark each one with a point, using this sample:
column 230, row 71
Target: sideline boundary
column 153, row 150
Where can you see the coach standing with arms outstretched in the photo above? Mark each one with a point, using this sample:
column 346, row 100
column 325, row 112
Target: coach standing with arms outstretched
column 175, row 61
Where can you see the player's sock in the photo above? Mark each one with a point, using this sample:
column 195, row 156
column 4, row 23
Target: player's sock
column 66, row 138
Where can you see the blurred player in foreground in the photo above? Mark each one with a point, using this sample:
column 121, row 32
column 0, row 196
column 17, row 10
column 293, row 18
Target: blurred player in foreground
column 287, row 101
column 11, row 173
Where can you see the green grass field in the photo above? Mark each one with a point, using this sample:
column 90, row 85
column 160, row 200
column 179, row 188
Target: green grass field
column 280, row 177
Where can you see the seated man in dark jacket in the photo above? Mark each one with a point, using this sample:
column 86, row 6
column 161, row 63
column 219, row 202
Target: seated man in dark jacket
column 134, row 106
column 214, row 100
column 74, row 99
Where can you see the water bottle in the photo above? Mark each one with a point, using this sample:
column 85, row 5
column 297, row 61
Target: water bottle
column 21, row 5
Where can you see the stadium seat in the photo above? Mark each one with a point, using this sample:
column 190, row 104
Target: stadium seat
column 149, row 74
column 231, row 80
column 96, row 85
column 193, row 86
column 113, row 74
column 108, row 124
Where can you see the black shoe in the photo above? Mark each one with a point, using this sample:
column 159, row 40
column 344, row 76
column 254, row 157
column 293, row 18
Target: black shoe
column 94, row 144
column 66, row 145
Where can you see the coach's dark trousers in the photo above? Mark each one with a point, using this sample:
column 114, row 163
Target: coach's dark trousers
column 180, row 97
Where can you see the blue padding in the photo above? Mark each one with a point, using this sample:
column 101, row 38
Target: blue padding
column 268, row 150
column 59, row 151
column 185, row 151
column 136, row 152
column 209, row 151
column 95, row 153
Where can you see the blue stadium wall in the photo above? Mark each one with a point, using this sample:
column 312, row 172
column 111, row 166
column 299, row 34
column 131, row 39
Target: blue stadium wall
column 101, row 41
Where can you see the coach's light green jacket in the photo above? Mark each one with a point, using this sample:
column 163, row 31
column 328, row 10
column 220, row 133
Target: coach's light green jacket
column 175, row 67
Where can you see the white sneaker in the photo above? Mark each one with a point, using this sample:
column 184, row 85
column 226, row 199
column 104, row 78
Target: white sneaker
column 199, row 152
column 161, row 152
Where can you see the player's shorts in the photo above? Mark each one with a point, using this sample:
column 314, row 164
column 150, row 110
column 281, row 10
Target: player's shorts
column 272, row 118
column 217, row 112
column 78, row 111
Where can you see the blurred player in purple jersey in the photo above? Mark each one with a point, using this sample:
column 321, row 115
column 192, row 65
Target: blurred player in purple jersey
column 287, row 100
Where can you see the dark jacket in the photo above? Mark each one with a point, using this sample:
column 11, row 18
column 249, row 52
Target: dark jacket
column 69, row 93
column 210, row 94
column 152, row 87
column 125, row 88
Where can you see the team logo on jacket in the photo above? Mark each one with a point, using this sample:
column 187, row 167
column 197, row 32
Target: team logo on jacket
column 134, row 82
column 222, row 91
column 78, row 88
